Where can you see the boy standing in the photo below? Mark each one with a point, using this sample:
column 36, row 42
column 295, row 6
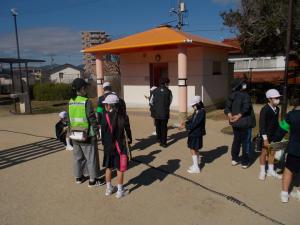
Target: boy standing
column 268, row 125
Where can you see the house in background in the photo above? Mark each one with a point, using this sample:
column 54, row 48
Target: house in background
column 256, row 69
column 195, row 66
column 64, row 74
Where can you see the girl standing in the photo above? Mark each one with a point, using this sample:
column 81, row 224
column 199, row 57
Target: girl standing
column 113, row 126
column 196, row 130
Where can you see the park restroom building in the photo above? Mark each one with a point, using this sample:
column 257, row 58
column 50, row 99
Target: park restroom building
column 194, row 65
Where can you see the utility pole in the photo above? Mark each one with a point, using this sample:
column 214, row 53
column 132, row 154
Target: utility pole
column 14, row 13
column 288, row 46
column 180, row 11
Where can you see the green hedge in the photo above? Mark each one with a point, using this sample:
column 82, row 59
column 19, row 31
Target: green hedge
column 50, row 92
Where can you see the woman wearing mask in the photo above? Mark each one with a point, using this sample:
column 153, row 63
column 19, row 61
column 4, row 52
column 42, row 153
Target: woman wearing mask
column 83, row 132
column 114, row 124
column 268, row 125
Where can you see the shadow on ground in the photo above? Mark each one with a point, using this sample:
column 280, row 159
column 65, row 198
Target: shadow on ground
column 211, row 155
column 144, row 143
column 24, row 153
column 149, row 176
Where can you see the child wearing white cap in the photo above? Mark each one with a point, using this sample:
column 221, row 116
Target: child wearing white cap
column 196, row 130
column 114, row 124
column 268, row 125
column 61, row 130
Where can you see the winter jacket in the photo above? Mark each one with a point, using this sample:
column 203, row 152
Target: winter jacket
column 196, row 124
column 239, row 102
column 106, row 134
column 268, row 122
column 160, row 101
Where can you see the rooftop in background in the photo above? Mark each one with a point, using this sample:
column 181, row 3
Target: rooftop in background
column 157, row 38
column 16, row 60
column 61, row 67
column 233, row 42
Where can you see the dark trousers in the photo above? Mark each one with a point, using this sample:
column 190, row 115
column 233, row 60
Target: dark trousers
column 241, row 138
column 161, row 130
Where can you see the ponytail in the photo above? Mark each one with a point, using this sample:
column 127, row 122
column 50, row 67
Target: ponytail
column 73, row 93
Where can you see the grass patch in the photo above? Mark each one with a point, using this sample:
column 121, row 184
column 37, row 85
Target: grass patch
column 42, row 107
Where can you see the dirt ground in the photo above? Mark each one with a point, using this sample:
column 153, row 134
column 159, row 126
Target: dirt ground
column 38, row 188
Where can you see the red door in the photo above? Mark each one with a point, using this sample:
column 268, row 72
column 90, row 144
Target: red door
column 157, row 70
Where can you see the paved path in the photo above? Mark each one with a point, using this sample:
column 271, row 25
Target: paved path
column 37, row 186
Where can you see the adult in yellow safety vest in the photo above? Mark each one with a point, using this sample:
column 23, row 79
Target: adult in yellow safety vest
column 83, row 132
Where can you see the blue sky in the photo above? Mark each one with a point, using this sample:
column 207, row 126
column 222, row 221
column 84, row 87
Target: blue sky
column 53, row 27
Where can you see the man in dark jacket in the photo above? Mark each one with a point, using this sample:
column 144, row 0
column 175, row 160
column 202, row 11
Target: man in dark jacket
column 241, row 117
column 160, row 101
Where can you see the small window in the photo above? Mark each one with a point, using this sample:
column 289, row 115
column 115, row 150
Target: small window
column 217, row 68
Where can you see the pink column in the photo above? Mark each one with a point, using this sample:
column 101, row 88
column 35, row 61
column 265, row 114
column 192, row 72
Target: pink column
column 99, row 73
column 182, row 81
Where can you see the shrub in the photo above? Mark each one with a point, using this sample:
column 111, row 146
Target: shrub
column 51, row 92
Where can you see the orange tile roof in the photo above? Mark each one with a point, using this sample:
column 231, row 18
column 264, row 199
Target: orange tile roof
column 157, row 38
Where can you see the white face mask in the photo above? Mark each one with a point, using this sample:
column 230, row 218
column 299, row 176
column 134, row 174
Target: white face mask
column 244, row 87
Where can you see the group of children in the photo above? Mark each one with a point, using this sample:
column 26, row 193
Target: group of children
column 115, row 129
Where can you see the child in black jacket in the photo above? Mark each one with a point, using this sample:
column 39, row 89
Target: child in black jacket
column 61, row 130
column 268, row 125
column 114, row 124
column 196, row 130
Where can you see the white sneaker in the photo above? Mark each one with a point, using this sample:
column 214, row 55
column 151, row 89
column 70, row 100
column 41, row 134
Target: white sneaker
column 234, row 163
column 121, row 194
column 111, row 190
column 193, row 169
column 154, row 133
column 296, row 194
column 284, row 197
column 69, row 148
column 262, row 176
column 274, row 174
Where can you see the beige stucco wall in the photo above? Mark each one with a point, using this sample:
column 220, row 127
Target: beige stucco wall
column 135, row 75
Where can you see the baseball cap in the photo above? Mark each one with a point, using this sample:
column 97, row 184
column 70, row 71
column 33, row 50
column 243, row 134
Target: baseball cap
column 273, row 93
column 63, row 114
column 111, row 99
column 195, row 100
column 106, row 84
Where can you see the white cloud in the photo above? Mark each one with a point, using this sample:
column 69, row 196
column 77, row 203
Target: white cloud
column 42, row 41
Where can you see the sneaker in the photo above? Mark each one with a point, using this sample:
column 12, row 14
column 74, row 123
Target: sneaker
column 163, row 145
column 274, row 174
column 111, row 190
column 262, row 176
column 80, row 180
column 296, row 194
column 284, row 197
column 234, row 163
column 69, row 148
column 193, row 169
column 121, row 194
column 245, row 166
column 97, row 183
column 154, row 133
